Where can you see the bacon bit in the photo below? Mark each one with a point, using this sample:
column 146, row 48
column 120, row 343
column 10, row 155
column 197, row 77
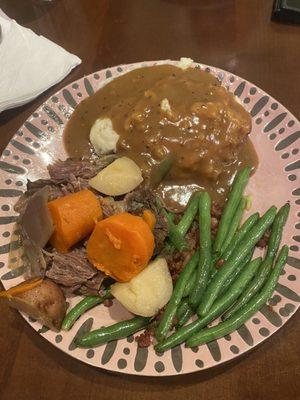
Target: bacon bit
column 216, row 210
column 102, row 292
column 176, row 263
column 160, row 313
column 144, row 339
column 151, row 331
column 177, row 218
column 108, row 303
column 175, row 321
column 214, row 222
column 263, row 242
column 219, row 263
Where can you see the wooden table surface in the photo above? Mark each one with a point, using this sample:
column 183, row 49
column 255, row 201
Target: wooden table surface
column 236, row 35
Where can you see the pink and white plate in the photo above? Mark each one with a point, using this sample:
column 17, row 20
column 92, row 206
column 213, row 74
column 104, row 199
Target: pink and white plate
column 276, row 137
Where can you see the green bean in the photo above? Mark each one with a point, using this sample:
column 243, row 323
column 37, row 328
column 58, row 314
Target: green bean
column 244, row 247
column 276, row 231
column 85, row 304
column 265, row 268
column 232, row 293
column 179, row 337
column 189, row 215
column 178, row 232
column 182, row 308
column 176, row 238
column 235, row 223
column 119, row 330
column 247, row 311
column 218, row 307
column 188, row 313
column 231, row 205
column 170, row 311
column 237, row 238
column 190, row 283
column 205, row 250
column 252, row 288
column 236, row 272
column 212, row 272
column 239, row 235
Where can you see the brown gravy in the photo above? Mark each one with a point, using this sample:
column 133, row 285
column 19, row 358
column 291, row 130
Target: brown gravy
column 205, row 128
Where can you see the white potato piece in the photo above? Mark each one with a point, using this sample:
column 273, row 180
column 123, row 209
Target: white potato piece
column 120, row 177
column 103, row 137
column 148, row 292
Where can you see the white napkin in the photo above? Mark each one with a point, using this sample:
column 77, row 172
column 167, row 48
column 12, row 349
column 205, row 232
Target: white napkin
column 29, row 64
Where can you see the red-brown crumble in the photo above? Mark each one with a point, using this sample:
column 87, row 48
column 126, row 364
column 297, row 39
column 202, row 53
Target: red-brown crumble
column 108, row 303
column 145, row 338
column 263, row 242
column 219, row 263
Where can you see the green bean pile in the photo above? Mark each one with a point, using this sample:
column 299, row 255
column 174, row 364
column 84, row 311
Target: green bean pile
column 219, row 280
column 234, row 289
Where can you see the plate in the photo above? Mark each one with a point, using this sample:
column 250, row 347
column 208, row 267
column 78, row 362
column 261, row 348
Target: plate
column 276, row 137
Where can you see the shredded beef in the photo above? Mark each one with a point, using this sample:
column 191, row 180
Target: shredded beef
column 74, row 185
column 111, row 207
column 68, row 176
column 73, row 272
column 141, row 199
column 91, row 286
column 64, row 171
column 160, row 233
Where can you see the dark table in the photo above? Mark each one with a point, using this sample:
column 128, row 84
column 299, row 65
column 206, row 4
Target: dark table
column 236, row 35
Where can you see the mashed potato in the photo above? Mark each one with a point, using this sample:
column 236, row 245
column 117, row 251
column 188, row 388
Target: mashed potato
column 103, row 137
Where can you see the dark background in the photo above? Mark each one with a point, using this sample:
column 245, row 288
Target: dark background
column 236, row 35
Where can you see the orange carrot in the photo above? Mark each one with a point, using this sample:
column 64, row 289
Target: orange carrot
column 149, row 217
column 74, row 217
column 121, row 246
column 22, row 287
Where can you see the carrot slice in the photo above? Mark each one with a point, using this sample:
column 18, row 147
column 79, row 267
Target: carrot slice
column 21, row 288
column 74, row 217
column 149, row 217
column 121, row 246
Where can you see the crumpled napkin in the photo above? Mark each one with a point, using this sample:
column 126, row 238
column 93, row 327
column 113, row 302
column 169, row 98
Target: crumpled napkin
column 29, row 64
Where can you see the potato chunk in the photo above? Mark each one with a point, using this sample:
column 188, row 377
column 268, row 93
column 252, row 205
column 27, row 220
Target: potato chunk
column 120, row 177
column 148, row 292
column 40, row 299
